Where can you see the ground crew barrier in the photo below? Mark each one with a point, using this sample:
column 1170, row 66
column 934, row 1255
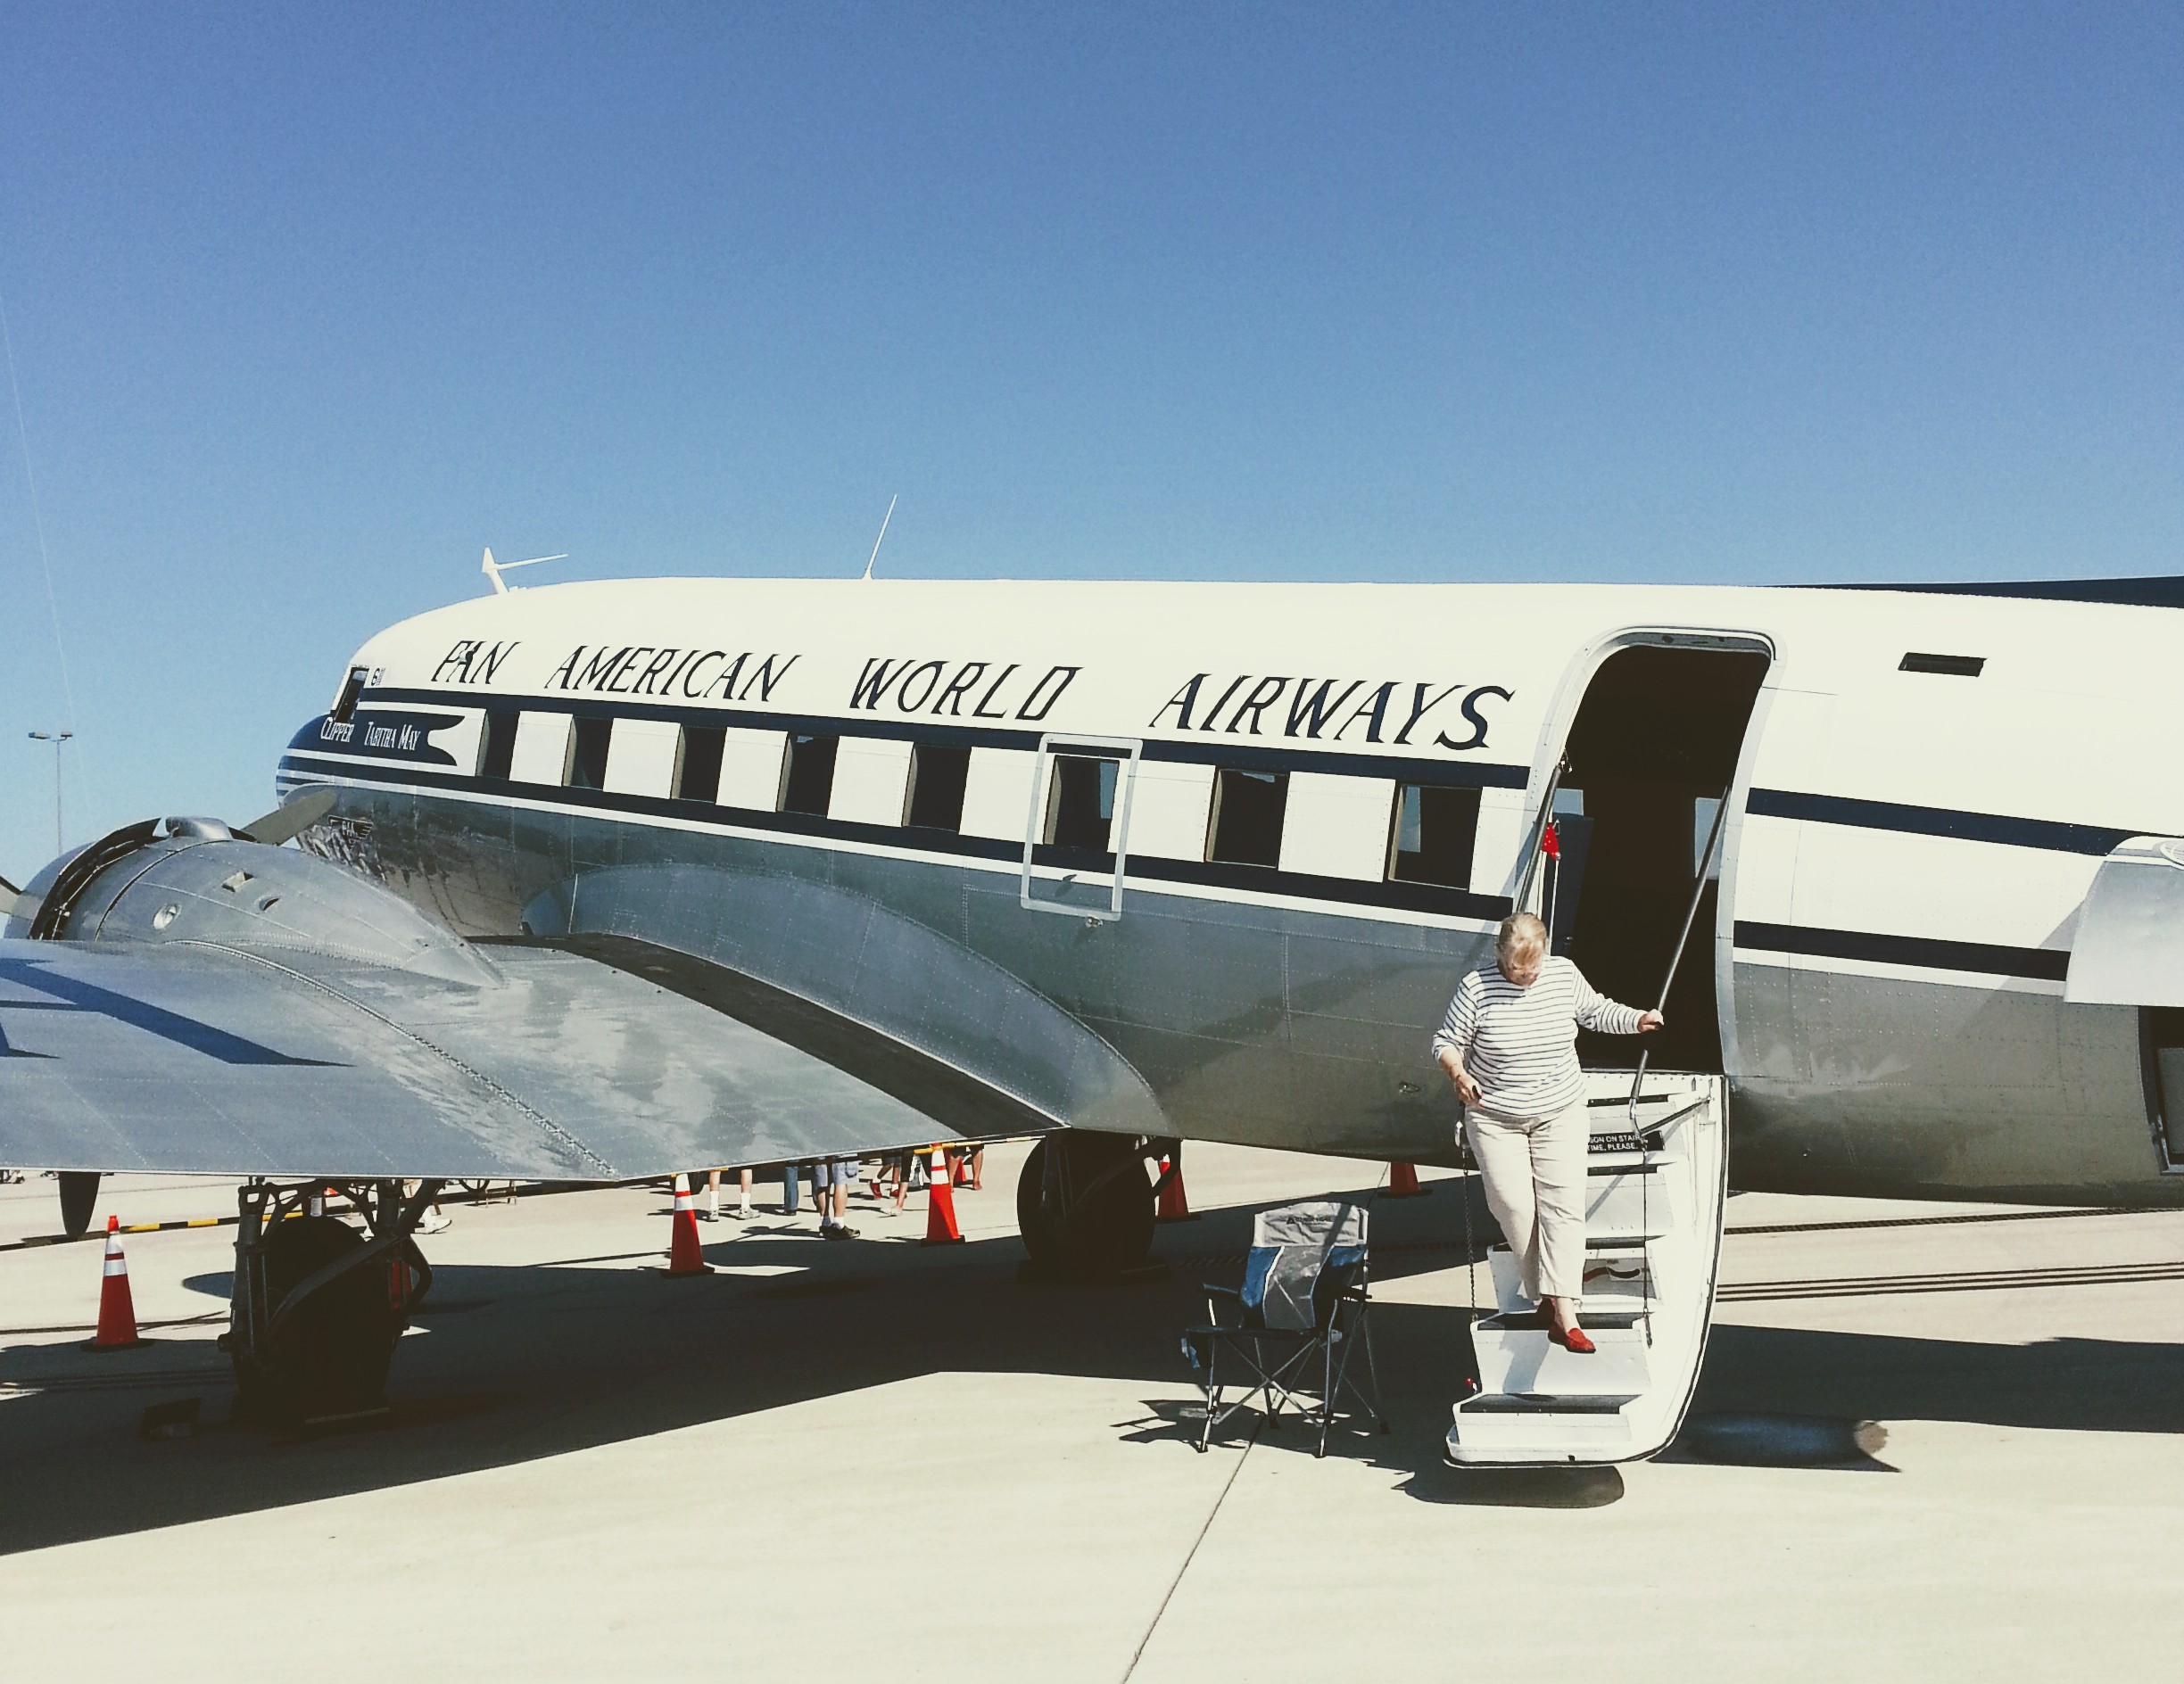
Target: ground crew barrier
column 940, row 1227
column 1173, row 1206
column 685, row 1256
column 117, row 1322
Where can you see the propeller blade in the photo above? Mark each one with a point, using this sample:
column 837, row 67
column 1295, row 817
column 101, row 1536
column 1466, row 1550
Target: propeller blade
column 293, row 817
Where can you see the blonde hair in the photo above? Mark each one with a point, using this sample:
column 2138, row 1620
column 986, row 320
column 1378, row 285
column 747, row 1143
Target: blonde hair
column 1521, row 937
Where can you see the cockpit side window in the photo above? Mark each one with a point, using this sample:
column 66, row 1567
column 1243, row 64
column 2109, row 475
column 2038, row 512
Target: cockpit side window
column 353, row 687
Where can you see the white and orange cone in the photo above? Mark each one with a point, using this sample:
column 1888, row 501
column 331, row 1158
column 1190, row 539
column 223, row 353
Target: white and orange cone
column 1174, row 1204
column 685, row 1255
column 1402, row 1182
column 940, row 1227
column 116, row 1322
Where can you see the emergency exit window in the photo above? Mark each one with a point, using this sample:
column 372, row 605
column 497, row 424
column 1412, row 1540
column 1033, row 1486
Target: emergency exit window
column 1080, row 801
column 807, row 777
column 1434, row 828
column 937, row 774
column 1248, row 810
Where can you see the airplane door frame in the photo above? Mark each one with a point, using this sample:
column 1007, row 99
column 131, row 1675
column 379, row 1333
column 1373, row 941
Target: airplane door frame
column 1553, row 741
column 1126, row 752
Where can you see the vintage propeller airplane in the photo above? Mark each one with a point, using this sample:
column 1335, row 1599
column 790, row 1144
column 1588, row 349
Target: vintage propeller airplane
column 601, row 881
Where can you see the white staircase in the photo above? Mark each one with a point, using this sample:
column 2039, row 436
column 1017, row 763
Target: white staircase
column 1653, row 1226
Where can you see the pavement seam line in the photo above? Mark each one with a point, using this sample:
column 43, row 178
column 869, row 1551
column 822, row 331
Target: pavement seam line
column 1161, row 1613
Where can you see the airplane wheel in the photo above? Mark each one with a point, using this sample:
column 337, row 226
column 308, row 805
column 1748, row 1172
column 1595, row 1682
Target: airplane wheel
column 331, row 1356
column 78, row 1199
column 1084, row 1205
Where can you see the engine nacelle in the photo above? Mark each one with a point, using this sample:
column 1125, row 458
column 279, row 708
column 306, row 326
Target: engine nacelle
column 198, row 881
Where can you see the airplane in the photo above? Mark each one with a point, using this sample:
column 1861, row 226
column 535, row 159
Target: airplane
column 600, row 882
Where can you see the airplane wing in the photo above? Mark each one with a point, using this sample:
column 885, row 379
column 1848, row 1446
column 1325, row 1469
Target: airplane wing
column 203, row 1004
column 220, row 1058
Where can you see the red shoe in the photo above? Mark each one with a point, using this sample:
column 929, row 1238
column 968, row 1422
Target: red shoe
column 1574, row 1339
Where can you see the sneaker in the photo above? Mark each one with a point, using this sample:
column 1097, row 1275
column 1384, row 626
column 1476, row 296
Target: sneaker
column 838, row 1231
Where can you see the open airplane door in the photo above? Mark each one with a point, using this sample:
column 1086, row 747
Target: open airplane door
column 1657, row 1182
column 2128, row 951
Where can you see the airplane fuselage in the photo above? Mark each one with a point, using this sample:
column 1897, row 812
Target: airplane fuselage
column 905, row 803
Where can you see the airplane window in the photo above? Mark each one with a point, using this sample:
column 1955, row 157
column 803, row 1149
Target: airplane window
column 587, row 766
column 1080, row 800
column 1247, row 817
column 698, row 779
column 353, row 687
column 937, row 778
column 1434, row 828
column 808, row 780
column 497, row 745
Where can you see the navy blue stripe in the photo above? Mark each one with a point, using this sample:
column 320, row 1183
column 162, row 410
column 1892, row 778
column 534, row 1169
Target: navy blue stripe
column 1970, row 827
column 2049, row 964
column 2159, row 590
column 1416, row 897
column 1226, row 751
column 940, row 730
column 1219, row 751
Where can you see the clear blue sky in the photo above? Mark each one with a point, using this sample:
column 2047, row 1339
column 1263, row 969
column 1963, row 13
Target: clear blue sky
column 308, row 305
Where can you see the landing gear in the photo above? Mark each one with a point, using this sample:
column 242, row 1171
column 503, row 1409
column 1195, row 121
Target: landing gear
column 1085, row 1206
column 78, row 1199
column 318, row 1307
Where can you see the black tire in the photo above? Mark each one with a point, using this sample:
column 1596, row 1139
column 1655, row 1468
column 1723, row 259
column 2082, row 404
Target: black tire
column 1098, row 1219
column 78, row 1199
column 331, row 1356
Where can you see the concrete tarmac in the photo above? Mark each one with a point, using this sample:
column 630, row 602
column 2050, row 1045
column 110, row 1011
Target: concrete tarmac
column 881, row 1460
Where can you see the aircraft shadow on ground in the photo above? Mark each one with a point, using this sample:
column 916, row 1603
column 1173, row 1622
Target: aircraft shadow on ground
column 518, row 1363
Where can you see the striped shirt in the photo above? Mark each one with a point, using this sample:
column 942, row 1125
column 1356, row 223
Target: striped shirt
column 1520, row 1044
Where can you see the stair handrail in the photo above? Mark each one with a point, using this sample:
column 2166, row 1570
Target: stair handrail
column 1675, row 962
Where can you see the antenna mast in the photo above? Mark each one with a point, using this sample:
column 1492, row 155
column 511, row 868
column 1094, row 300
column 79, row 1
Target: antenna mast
column 882, row 538
column 493, row 569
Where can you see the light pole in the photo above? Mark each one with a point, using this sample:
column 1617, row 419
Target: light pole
column 56, row 738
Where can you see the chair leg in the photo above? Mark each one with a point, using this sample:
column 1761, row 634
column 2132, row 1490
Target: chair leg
column 1328, row 1385
column 1213, row 1395
column 1372, row 1368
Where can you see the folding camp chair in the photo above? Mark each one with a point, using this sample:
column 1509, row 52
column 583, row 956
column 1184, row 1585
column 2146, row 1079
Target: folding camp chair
column 1300, row 1313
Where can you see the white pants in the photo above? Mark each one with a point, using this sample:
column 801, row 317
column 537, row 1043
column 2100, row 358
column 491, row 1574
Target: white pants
column 1533, row 1168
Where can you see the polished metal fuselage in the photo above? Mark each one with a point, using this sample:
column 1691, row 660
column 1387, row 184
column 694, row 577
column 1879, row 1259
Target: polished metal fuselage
column 1287, row 1029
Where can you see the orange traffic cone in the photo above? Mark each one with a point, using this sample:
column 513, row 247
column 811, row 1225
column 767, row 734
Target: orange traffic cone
column 1402, row 1183
column 1173, row 1206
column 683, row 1256
column 117, row 1323
column 940, row 1227
column 959, row 1168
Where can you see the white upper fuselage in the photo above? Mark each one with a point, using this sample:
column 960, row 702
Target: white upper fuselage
column 1921, row 828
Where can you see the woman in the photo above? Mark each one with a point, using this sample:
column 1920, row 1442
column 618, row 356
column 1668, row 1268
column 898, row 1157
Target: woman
column 1510, row 1045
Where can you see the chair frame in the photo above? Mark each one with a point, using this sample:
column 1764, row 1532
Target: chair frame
column 1280, row 1379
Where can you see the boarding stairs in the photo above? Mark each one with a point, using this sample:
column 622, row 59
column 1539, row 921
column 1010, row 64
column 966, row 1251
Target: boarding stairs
column 1656, row 1186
